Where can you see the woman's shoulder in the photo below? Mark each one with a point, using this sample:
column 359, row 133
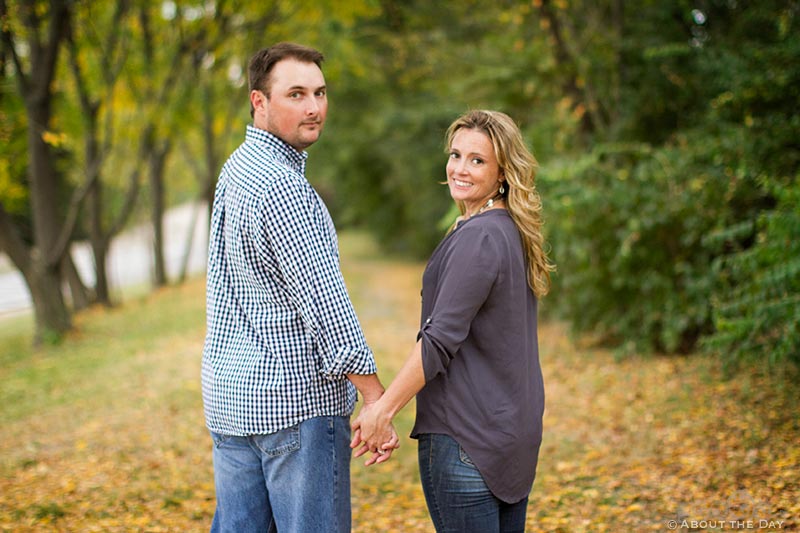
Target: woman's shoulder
column 494, row 230
column 495, row 220
column 485, row 231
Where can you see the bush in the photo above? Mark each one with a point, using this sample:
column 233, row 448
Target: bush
column 626, row 227
column 756, row 307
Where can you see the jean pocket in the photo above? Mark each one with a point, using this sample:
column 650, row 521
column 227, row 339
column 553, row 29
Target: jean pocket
column 281, row 442
column 219, row 439
column 462, row 455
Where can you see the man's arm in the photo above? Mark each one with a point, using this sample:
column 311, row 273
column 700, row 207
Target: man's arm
column 300, row 233
column 368, row 385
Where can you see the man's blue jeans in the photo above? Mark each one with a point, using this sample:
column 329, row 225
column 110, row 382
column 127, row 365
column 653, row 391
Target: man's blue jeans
column 458, row 499
column 294, row 481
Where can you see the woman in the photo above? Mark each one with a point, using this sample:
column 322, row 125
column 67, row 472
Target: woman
column 475, row 366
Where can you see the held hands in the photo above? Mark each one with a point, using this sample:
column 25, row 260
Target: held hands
column 373, row 431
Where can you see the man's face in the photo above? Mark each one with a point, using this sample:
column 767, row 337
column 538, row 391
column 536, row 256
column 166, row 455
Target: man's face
column 297, row 106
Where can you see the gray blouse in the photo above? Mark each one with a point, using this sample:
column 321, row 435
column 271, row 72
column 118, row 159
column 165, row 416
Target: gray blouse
column 483, row 383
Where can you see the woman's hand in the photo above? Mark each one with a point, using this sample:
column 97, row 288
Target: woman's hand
column 372, row 429
column 374, row 432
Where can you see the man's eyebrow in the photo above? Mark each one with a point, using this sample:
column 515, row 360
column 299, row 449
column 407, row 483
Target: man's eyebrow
column 303, row 88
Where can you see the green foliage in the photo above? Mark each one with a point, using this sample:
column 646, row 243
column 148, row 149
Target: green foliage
column 684, row 228
column 757, row 310
column 393, row 186
column 13, row 191
column 381, row 161
column 627, row 222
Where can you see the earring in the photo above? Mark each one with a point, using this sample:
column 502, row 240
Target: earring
column 502, row 189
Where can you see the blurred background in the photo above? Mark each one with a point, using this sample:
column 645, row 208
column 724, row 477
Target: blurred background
column 668, row 137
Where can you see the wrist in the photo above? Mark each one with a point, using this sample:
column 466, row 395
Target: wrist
column 386, row 408
column 369, row 386
column 381, row 411
column 372, row 396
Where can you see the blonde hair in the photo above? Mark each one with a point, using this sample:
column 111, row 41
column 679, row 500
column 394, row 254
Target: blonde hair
column 522, row 199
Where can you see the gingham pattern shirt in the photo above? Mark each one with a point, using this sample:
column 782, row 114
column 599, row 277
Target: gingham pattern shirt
column 281, row 330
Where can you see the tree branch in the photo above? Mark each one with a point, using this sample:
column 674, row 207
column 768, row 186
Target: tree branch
column 590, row 121
column 12, row 243
column 71, row 220
column 130, row 196
column 59, row 21
column 89, row 107
column 8, row 41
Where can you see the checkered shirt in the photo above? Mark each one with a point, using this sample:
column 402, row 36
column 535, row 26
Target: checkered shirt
column 281, row 330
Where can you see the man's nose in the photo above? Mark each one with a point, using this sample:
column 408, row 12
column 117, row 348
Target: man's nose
column 312, row 107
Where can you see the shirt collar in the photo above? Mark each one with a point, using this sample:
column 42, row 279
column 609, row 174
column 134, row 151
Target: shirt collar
column 277, row 146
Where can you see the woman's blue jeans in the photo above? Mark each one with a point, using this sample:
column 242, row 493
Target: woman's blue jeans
column 458, row 499
column 293, row 481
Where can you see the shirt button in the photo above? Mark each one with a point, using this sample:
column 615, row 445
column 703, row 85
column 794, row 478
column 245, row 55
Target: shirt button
column 428, row 321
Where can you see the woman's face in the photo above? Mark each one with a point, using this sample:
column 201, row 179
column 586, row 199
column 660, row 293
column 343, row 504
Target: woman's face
column 473, row 174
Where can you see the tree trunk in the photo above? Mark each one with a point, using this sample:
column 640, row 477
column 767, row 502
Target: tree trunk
column 40, row 267
column 99, row 244
column 50, row 311
column 212, row 161
column 618, row 18
column 588, row 122
column 189, row 243
column 97, row 144
column 80, row 296
column 156, row 165
column 44, row 282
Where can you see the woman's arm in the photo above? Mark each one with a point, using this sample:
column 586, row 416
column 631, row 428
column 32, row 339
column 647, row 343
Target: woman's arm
column 374, row 421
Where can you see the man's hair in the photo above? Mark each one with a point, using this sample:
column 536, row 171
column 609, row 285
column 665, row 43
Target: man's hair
column 262, row 62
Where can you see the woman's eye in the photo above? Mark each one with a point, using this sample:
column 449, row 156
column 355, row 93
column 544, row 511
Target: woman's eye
column 477, row 161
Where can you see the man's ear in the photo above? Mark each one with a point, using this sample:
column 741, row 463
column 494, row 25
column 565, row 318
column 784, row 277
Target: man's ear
column 258, row 100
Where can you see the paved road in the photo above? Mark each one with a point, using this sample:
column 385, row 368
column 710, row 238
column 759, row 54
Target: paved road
column 130, row 259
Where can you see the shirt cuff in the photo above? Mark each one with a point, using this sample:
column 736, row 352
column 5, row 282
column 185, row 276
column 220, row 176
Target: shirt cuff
column 349, row 360
column 435, row 356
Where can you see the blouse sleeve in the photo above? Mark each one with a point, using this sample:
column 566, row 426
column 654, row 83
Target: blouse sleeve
column 467, row 274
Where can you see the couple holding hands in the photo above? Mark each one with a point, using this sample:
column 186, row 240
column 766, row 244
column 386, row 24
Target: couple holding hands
column 284, row 356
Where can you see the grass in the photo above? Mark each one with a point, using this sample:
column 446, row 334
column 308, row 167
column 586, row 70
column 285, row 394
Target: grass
column 104, row 432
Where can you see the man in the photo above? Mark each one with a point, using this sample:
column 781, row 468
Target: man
column 284, row 349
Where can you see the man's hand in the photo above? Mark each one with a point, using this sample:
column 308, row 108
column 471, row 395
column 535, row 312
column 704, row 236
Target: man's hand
column 374, row 432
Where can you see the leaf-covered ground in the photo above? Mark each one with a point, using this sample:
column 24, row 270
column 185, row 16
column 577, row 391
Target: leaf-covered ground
column 105, row 431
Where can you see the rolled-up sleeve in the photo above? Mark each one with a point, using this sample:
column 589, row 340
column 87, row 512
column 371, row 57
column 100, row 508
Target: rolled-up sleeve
column 468, row 272
column 300, row 231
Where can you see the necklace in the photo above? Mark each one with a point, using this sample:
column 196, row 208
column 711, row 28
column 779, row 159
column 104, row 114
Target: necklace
column 488, row 205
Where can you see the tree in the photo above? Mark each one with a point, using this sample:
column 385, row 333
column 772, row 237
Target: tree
column 43, row 30
column 97, row 55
